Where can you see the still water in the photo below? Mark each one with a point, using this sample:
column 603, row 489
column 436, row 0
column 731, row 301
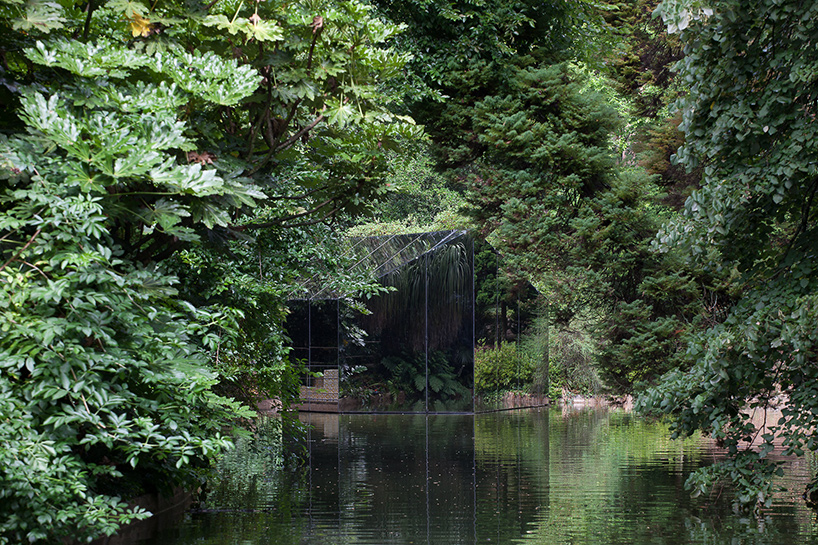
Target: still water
column 546, row 476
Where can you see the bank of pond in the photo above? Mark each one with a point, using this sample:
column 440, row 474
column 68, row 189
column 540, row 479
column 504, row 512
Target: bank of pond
column 545, row 475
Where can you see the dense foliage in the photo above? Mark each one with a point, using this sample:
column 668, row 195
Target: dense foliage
column 138, row 269
column 502, row 367
column 168, row 171
column 749, row 119
column 105, row 372
column 551, row 172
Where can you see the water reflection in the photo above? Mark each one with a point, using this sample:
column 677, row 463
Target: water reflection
column 534, row 476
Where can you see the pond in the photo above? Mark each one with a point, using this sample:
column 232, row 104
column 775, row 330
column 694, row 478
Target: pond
column 539, row 476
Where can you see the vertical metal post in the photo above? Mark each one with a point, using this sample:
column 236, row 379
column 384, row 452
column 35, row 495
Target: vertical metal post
column 519, row 346
column 338, row 345
column 497, row 312
column 497, row 303
column 473, row 331
column 426, row 325
column 309, row 351
column 474, row 475
column 428, row 495
column 547, row 349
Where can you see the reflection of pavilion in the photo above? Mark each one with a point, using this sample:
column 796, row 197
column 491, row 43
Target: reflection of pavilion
column 428, row 479
column 412, row 350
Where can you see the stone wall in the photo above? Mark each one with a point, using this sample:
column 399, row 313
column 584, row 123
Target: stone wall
column 325, row 389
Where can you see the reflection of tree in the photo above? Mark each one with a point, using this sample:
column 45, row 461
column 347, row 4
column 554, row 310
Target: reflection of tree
column 512, row 463
column 570, row 477
column 612, row 474
column 418, row 353
column 402, row 475
column 256, row 494
column 545, row 477
column 404, row 312
column 434, row 375
column 616, row 479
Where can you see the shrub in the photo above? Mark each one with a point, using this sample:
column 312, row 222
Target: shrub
column 502, row 368
column 571, row 361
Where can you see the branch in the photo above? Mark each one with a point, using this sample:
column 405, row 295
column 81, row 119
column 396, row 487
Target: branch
column 87, row 26
column 153, row 252
column 269, row 132
column 291, row 115
column 317, row 27
column 23, row 249
column 265, row 113
column 311, row 222
column 297, row 197
column 805, row 214
column 169, row 250
column 290, row 141
column 36, row 268
column 280, row 221
column 294, row 138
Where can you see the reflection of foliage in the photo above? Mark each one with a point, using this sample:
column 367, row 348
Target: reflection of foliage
column 252, row 473
column 578, row 455
column 571, row 351
column 350, row 329
column 408, row 374
column 447, row 272
column 418, row 200
column 542, row 477
column 502, row 368
column 358, row 384
column 564, row 356
column 505, row 302
column 641, row 469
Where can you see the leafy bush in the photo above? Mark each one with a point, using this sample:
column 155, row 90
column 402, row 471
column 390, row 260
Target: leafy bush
column 572, row 361
column 135, row 144
column 408, row 374
column 502, row 368
column 418, row 199
column 254, row 468
column 569, row 353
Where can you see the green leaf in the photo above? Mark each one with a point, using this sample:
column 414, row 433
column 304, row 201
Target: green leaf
column 208, row 76
column 129, row 8
column 188, row 179
column 167, row 213
column 340, row 113
column 267, row 31
column 40, row 15
column 223, row 23
column 91, row 59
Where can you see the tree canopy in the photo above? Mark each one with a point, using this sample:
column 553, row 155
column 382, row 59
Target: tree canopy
column 749, row 123
column 168, row 170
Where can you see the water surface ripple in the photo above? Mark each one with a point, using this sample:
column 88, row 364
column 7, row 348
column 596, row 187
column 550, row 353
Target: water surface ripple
column 540, row 476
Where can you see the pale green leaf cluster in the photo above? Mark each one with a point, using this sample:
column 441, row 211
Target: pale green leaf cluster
column 208, row 76
column 259, row 30
column 96, row 358
column 679, row 14
column 39, row 15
